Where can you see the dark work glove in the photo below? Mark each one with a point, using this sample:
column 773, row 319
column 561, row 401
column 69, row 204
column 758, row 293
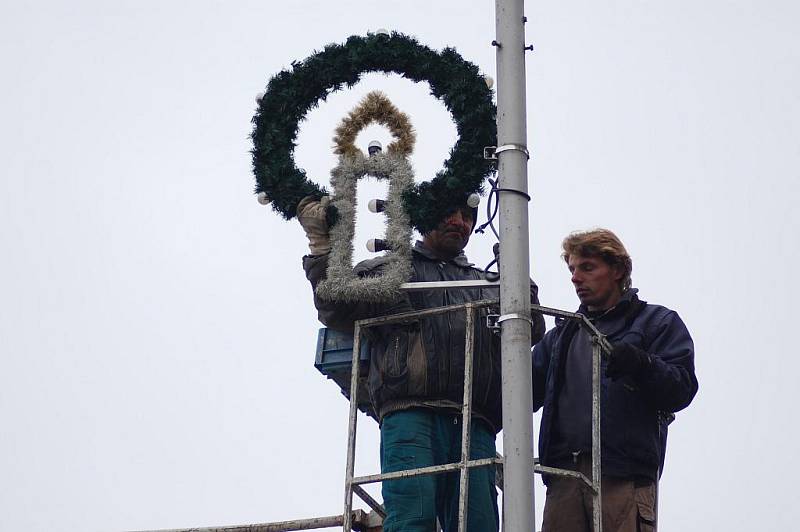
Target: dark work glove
column 626, row 359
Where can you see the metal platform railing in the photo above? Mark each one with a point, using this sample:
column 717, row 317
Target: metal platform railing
column 353, row 484
column 373, row 520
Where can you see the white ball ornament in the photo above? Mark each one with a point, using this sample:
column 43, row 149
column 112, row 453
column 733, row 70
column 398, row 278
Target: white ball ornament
column 489, row 81
column 473, row 200
column 262, row 198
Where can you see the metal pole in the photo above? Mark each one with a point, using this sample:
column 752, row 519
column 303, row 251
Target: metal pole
column 597, row 500
column 512, row 157
column 347, row 526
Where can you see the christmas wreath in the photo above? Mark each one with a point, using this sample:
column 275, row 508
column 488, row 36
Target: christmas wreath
column 290, row 94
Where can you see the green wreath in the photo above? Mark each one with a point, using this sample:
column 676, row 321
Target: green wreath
column 290, row 94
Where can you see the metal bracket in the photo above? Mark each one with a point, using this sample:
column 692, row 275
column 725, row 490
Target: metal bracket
column 509, row 147
column 492, row 324
column 490, row 152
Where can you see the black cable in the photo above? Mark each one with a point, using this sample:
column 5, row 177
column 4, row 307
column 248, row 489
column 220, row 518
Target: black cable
column 491, row 213
column 515, row 191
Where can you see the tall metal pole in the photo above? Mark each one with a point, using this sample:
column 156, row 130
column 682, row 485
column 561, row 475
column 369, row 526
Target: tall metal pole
column 518, row 496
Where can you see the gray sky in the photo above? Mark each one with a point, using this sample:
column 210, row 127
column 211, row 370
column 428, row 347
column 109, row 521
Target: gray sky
column 156, row 330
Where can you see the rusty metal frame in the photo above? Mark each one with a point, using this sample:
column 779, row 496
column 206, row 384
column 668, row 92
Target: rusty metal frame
column 600, row 347
column 359, row 516
column 350, row 517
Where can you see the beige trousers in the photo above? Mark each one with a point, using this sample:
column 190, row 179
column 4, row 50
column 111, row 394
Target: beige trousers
column 626, row 507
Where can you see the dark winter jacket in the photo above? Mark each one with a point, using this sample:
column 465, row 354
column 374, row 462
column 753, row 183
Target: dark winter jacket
column 422, row 364
column 634, row 411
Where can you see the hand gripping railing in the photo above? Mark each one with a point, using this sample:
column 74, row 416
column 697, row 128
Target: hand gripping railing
column 353, row 483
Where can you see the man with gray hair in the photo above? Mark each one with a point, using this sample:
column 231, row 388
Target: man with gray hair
column 648, row 376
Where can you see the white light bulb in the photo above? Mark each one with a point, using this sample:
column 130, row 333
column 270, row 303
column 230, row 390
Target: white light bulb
column 374, row 147
column 376, row 205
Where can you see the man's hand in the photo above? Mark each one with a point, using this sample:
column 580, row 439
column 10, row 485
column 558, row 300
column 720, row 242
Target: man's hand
column 626, row 359
column 311, row 213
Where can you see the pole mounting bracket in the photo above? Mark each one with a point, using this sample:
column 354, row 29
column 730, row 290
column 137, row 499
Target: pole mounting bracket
column 509, row 147
column 490, row 152
column 514, row 316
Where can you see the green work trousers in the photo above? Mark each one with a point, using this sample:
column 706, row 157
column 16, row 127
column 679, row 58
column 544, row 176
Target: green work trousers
column 420, row 437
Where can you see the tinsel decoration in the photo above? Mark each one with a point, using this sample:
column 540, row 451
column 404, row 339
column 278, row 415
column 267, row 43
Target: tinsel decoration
column 342, row 283
column 375, row 107
column 290, row 94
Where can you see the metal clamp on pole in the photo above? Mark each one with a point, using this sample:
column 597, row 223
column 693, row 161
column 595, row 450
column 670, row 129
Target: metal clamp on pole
column 509, row 147
column 514, row 316
column 490, row 152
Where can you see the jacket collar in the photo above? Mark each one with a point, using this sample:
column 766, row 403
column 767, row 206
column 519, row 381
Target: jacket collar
column 629, row 297
column 628, row 303
column 458, row 260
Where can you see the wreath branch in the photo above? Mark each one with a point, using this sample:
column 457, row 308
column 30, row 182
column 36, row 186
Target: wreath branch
column 290, row 94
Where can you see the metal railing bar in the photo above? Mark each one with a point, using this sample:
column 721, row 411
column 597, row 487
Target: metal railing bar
column 498, row 471
column 597, row 502
column 358, row 516
column 372, row 503
column 351, row 431
column 601, row 347
column 546, row 470
column 429, row 470
column 596, row 335
column 442, row 285
column 414, row 314
column 466, row 419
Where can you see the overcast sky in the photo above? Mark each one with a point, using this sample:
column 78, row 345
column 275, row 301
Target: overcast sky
column 156, row 330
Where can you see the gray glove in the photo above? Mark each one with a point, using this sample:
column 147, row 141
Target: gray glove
column 311, row 213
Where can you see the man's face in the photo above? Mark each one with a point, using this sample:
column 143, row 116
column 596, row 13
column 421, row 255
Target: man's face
column 451, row 235
column 596, row 282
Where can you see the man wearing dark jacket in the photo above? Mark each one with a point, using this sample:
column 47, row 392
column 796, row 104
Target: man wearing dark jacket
column 416, row 375
column 648, row 376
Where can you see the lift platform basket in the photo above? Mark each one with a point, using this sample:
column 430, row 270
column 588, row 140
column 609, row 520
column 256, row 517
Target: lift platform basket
column 334, row 358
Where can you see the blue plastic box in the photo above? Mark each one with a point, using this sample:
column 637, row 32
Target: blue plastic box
column 334, row 358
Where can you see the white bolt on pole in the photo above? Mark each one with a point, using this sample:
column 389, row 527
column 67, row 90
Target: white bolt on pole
column 518, row 495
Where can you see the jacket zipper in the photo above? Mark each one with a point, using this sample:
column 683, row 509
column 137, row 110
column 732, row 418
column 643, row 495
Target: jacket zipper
column 395, row 361
column 449, row 344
